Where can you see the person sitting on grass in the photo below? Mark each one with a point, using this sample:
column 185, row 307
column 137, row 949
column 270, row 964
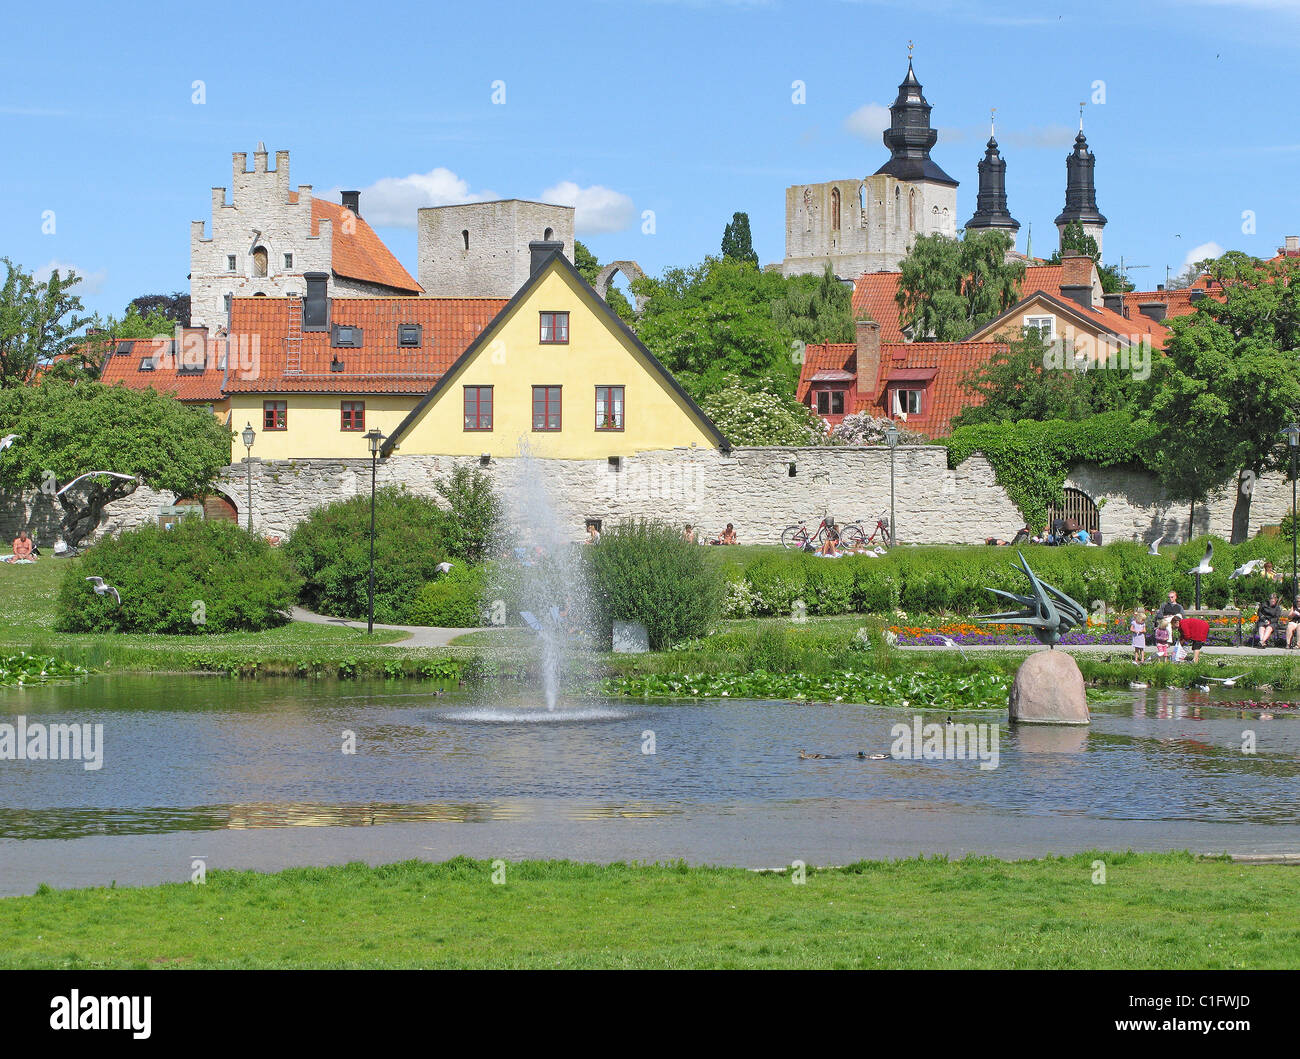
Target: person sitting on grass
column 727, row 536
column 688, row 534
column 24, row 548
column 831, row 546
column 1266, row 620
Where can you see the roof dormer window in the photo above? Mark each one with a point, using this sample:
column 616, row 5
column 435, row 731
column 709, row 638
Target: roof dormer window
column 409, row 336
column 347, row 337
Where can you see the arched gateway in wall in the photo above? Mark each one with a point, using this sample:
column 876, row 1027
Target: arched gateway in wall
column 630, row 269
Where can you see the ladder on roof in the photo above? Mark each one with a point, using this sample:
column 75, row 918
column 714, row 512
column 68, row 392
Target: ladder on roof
column 293, row 339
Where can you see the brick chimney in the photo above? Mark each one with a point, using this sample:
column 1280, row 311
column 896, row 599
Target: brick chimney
column 1154, row 310
column 1114, row 302
column 868, row 356
column 1076, row 277
column 352, row 201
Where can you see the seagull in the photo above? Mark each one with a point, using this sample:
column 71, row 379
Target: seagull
column 102, row 588
column 948, row 641
column 1202, row 687
column 443, row 568
column 93, row 474
column 1154, row 547
column 8, row 440
column 1204, row 566
column 1137, row 685
column 864, row 756
column 1245, row 569
column 1227, row 682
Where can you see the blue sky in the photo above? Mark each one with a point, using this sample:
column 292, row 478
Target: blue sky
column 682, row 107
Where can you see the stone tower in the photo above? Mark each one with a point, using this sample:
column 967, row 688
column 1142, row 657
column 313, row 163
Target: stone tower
column 480, row 249
column 869, row 225
column 991, row 202
column 1081, row 192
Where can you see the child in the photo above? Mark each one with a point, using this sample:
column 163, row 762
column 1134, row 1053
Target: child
column 1163, row 636
column 1179, row 652
column 1138, row 627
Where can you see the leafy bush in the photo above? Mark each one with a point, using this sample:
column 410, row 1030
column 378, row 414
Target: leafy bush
column 830, row 587
column 780, row 579
column 198, row 577
column 771, row 651
column 643, row 571
column 331, row 550
column 760, row 417
column 477, row 512
column 453, row 601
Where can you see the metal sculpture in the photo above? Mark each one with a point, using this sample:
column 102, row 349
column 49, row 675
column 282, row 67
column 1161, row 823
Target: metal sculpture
column 1049, row 612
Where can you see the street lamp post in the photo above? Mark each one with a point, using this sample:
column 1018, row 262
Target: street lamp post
column 891, row 439
column 248, row 436
column 1293, row 441
column 376, row 440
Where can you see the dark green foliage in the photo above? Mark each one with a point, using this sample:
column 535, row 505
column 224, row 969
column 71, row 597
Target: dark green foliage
column 816, row 309
column 737, row 243
column 477, row 512
column 71, row 430
column 38, row 320
column 643, row 571
column 1024, row 381
column 199, row 577
column 1031, row 459
column 455, row 600
column 780, row 579
column 331, row 549
column 589, row 267
column 949, row 287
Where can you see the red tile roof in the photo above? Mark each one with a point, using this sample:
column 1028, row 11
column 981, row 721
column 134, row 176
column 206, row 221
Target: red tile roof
column 1177, row 302
column 841, row 357
column 193, row 371
column 259, row 332
column 359, row 254
column 875, row 295
column 945, row 396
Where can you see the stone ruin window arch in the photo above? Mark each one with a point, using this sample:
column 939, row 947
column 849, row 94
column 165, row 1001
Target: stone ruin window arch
column 260, row 258
column 835, row 209
column 465, row 236
column 898, row 207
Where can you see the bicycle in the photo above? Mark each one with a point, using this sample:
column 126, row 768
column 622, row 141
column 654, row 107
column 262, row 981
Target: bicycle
column 882, row 531
column 798, row 536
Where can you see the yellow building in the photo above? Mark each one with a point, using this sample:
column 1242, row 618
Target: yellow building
column 558, row 372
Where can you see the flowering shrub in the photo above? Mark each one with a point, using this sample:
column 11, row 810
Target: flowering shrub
column 741, row 600
column 760, row 417
column 862, row 428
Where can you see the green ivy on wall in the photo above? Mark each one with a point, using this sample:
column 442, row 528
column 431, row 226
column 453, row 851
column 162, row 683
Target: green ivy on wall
column 1031, row 459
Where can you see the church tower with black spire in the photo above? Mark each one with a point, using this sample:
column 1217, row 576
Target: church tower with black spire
column 991, row 201
column 1081, row 190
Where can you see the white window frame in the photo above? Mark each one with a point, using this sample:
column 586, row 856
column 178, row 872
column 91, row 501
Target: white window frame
column 906, row 409
column 1037, row 323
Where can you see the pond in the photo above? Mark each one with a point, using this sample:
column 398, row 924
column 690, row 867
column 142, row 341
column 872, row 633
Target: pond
column 253, row 774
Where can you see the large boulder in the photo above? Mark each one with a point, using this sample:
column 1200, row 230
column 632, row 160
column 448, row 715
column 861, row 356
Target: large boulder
column 1048, row 689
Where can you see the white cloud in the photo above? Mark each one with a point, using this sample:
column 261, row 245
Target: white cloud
column 1200, row 253
column 597, row 209
column 391, row 202
column 91, row 282
column 868, row 121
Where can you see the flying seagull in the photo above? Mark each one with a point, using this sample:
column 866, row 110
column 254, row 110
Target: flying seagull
column 1245, row 569
column 102, row 588
column 1154, row 548
column 1204, row 567
column 1227, row 682
column 95, row 474
column 8, row 440
column 948, row 641
column 443, row 568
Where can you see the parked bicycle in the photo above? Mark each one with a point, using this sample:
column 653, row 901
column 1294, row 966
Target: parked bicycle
column 801, row 538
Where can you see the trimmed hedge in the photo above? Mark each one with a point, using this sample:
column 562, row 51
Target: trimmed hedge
column 198, row 577
column 454, row 601
column 955, row 580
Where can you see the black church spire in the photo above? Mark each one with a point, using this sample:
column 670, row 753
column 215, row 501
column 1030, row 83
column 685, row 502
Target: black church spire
column 909, row 136
column 991, row 202
column 1080, row 189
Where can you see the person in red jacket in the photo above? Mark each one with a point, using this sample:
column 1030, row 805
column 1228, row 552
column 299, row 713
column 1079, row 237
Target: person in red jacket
column 1195, row 631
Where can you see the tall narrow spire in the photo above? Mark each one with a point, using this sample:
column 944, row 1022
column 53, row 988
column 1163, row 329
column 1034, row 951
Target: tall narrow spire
column 909, row 136
column 1081, row 190
column 991, row 201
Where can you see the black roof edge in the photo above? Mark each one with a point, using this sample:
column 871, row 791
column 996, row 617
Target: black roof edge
column 519, row 296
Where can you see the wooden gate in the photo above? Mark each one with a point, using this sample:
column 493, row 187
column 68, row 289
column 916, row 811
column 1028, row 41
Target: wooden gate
column 1079, row 506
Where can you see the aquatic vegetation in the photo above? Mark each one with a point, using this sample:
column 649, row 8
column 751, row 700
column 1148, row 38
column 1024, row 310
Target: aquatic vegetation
column 24, row 668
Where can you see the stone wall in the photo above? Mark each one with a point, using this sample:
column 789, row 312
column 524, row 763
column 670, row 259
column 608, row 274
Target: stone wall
column 750, row 487
column 497, row 261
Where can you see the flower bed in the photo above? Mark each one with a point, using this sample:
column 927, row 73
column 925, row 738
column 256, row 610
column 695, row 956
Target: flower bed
column 1223, row 632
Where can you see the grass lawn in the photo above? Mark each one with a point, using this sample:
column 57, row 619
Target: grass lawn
column 1154, row 910
column 27, row 616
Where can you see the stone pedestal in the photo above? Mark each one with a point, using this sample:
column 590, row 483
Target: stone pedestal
column 1048, row 689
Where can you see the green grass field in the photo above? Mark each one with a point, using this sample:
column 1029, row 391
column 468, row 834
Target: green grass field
column 1153, row 910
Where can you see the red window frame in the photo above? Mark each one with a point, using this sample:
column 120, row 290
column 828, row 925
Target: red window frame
column 352, row 415
column 275, row 415
column 896, row 399
column 552, row 405
column 622, row 406
column 556, row 326
column 830, row 402
column 474, row 408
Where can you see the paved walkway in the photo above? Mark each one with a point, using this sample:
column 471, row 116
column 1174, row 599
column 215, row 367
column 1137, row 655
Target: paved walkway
column 417, row 635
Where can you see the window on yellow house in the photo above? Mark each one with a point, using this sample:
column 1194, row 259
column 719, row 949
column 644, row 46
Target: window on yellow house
column 609, row 408
column 478, row 407
column 352, row 415
column 275, row 415
column 555, row 328
column 546, row 408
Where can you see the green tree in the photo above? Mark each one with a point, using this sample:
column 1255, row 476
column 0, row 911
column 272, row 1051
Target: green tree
column 737, row 243
column 1228, row 382
column 816, row 309
column 589, row 268
column 1025, row 381
column 760, row 417
column 949, row 287
column 713, row 324
column 476, row 513
column 68, row 430
column 38, row 321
